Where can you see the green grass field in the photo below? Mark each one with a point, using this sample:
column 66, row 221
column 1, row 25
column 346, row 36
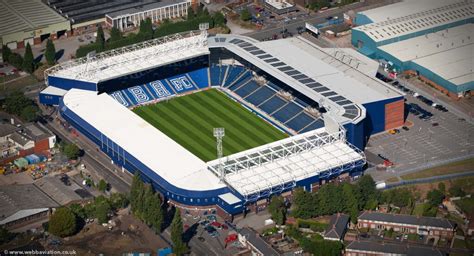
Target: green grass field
column 189, row 120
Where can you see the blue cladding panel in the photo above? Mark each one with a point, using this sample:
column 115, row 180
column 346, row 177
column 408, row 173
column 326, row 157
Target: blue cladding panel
column 355, row 134
column 68, row 84
column 48, row 99
column 361, row 19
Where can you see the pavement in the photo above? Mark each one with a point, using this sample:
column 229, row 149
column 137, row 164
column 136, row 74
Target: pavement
column 427, row 143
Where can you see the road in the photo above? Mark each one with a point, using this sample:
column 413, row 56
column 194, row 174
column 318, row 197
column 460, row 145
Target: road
column 316, row 18
column 95, row 160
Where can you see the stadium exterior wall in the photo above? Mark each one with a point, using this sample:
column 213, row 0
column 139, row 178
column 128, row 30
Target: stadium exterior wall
column 376, row 121
column 49, row 99
column 67, row 84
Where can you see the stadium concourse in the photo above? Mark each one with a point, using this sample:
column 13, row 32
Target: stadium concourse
column 327, row 103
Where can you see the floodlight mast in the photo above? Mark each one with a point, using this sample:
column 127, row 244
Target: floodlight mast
column 219, row 133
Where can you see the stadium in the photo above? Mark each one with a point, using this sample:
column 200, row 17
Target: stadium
column 294, row 114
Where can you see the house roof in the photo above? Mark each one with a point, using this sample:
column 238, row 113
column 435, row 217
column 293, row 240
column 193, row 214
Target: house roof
column 6, row 129
column 407, row 219
column 371, row 247
column 337, row 226
column 255, row 240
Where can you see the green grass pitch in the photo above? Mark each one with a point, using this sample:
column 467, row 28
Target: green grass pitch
column 190, row 119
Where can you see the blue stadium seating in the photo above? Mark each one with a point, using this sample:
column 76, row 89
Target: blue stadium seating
column 260, row 95
column 315, row 125
column 300, row 121
column 233, row 73
column 239, row 80
column 200, row 77
column 217, row 73
column 272, row 104
column 287, row 112
column 247, row 89
column 242, row 79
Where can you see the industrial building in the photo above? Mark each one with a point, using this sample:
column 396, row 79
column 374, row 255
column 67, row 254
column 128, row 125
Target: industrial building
column 23, row 204
column 157, row 12
column 29, row 21
column 85, row 16
column 431, row 39
column 327, row 101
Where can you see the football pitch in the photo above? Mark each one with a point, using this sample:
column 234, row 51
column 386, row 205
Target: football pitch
column 190, row 119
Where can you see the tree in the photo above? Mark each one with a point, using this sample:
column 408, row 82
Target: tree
column 102, row 210
column 50, row 52
column 30, row 113
column 146, row 30
column 79, row 211
column 6, row 53
column 303, row 204
column 191, row 13
column 219, row 19
column 148, row 202
column 115, row 34
column 62, row 222
column 118, row 200
column 100, row 39
column 28, row 60
column 102, row 185
column 71, row 150
column 156, row 216
column 5, row 235
column 351, row 201
column 368, row 192
column 435, row 197
column 245, row 15
column 442, row 187
column 16, row 60
column 136, row 195
column 16, row 101
column 456, row 191
column 277, row 209
column 179, row 248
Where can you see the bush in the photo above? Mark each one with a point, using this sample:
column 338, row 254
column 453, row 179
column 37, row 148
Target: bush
column 245, row 15
column 313, row 225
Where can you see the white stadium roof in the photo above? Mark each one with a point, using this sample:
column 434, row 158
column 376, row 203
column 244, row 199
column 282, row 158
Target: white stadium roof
column 431, row 17
column 132, row 59
column 152, row 147
column 448, row 53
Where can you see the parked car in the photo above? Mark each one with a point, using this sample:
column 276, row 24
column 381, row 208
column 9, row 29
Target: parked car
column 405, row 128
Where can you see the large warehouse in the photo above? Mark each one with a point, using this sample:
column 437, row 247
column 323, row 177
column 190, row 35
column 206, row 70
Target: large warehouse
column 415, row 35
column 29, row 21
column 324, row 101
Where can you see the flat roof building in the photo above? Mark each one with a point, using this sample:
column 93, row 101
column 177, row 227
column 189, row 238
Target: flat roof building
column 431, row 39
column 29, row 21
column 23, row 204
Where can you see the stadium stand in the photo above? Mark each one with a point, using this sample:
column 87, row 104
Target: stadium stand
column 238, row 81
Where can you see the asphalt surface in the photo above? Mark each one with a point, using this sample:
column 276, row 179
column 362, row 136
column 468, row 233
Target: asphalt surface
column 427, row 143
column 94, row 159
column 315, row 18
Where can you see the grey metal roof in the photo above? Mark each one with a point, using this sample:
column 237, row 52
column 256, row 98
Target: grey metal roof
column 26, row 15
column 407, row 219
column 61, row 193
column 337, row 226
column 6, row 129
column 392, row 249
column 14, row 198
column 254, row 239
